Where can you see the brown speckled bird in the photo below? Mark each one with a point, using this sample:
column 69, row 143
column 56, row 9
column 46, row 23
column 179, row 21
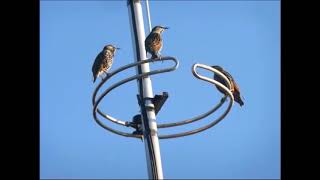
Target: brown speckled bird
column 234, row 87
column 153, row 42
column 103, row 61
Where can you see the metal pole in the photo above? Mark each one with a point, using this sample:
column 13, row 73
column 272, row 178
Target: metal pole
column 150, row 131
column 148, row 15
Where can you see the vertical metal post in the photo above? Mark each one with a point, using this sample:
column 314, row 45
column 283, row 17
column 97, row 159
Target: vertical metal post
column 150, row 132
column 148, row 15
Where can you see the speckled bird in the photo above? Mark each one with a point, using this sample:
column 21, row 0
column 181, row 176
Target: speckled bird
column 103, row 61
column 153, row 42
column 234, row 87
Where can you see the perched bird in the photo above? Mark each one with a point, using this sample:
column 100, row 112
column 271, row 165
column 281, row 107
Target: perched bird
column 153, row 42
column 234, row 87
column 103, row 61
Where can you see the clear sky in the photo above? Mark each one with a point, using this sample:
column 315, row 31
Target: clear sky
column 241, row 36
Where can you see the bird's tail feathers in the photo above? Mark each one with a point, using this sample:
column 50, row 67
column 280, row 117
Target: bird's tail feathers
column 238, row 99
column 240, row 102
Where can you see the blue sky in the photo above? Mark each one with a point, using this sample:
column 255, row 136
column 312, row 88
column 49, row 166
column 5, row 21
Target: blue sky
column 241, row 36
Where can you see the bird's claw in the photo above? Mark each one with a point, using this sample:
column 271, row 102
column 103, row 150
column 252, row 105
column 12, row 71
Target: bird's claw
column 161, row 59
column 107, row 75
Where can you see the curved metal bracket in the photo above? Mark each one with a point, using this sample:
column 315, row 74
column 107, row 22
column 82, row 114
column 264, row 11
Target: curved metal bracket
column 212, row 81
column 194, row 72
column 96, row 102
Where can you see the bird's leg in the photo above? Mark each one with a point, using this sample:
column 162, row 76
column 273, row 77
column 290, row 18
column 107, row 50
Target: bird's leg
column 152, row 57
column 159, row 55
column 106, row 73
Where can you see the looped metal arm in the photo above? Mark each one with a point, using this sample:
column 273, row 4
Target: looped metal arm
column 212, row 81
column 138, row 76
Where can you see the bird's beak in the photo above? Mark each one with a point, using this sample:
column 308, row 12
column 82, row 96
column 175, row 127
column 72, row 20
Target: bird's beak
column 165, row 27
column 118, row 48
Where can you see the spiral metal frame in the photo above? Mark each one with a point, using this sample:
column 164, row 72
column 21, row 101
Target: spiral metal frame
column 166, row 125
column 138, row 76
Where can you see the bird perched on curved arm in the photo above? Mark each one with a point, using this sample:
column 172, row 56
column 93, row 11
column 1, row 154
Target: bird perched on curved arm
column 153, row 42
column 234, row 87
column 103, row 61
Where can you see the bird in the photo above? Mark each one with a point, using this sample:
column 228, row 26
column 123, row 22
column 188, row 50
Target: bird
column 103, row 61
column 153, row 42
column 234, row 87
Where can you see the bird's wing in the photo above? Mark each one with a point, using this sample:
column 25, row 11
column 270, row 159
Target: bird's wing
column 147, row 42
column 235, row 85
column 229, row 78
column 153, row 42
column 228, row 75
column 157, row 42
column 97, row 64
column 221, row 80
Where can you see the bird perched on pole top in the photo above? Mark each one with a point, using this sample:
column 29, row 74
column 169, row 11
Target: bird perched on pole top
column 153, row 42
column 103, row 61
column 234, row 87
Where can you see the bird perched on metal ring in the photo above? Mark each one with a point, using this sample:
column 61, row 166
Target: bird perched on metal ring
column 153, row 42
column 103, row 61
column 234, row 87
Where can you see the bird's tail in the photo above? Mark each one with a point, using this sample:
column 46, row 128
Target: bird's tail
column 238, row 99
column 240, row 102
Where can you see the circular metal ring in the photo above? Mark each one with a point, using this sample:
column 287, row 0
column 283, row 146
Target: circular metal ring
column 138, row 76
column 179, row 123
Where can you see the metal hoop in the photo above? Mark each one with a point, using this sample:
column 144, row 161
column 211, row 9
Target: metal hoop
column 166, row 125
column 138, row 76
